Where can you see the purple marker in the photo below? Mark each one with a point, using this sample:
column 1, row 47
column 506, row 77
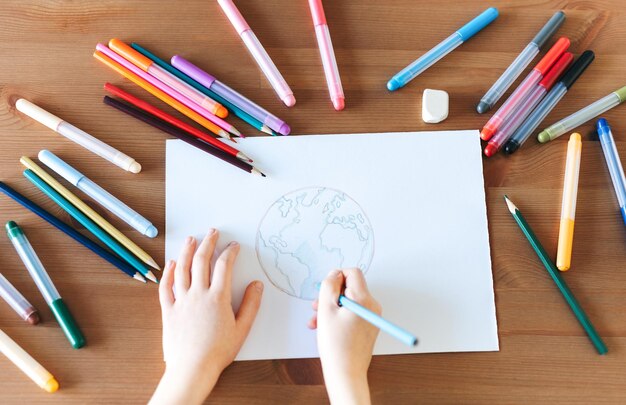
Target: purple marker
column 230, row 95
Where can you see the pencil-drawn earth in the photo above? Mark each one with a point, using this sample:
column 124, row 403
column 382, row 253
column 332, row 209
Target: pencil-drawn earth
column 309, row 232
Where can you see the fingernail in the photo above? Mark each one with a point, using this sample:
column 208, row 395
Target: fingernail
column 189, row 240
column 170, row 264
column 334, row 274
column 233, row 244
column 211, row 231
column 259, row 286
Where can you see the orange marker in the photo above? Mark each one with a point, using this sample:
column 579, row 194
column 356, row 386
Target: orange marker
column 177, row 105
column 167, row 78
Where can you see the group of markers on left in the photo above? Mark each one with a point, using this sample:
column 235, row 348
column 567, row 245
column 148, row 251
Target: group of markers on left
column 189, row 90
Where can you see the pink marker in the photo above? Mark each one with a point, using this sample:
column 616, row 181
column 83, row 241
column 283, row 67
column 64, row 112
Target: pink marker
column 261, row 57
column 171, row 92
column 520, row 94
column 328, row 54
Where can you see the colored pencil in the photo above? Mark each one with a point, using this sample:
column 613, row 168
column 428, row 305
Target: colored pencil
column 91, row 226
column 172, row 130
column 161, row 95
column 557, row 278
column 239, row 112
column 71, row 232
column 149, row 108
column 89, row 212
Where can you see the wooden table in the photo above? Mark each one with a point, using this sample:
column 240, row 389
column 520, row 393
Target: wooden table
column 46, row 49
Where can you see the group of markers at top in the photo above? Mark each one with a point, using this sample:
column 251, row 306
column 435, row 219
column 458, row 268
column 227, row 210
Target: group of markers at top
column 525, row 109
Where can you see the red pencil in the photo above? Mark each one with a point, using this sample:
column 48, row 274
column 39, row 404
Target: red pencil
column 149, row 108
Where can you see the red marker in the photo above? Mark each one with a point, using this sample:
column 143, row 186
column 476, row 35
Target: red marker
column 529, row 104
column 520, row 94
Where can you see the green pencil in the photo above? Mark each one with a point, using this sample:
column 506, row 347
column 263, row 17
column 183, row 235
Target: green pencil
column 558, row 279
column 91, row 226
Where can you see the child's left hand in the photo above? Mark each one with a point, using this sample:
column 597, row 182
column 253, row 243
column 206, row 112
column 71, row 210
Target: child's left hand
column 201, row 333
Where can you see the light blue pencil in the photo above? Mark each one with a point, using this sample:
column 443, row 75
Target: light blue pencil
column 381, row 323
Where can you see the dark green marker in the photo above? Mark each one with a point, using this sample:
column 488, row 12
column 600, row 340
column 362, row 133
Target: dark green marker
column 44, row 283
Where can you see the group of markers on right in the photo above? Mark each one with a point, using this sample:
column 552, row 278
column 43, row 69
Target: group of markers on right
column 522, row 113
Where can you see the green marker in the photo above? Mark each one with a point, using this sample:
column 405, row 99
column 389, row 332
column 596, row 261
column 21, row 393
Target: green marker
column 581, row 116
column 44, row 284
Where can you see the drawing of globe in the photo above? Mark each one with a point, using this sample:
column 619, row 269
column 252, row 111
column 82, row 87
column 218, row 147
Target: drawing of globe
column 309, row 232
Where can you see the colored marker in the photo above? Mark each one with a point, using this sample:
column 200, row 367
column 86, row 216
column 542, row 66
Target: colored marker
column 90, row 225
column 27, row 364
column 519, row 64
column 534, row 97
column 103, row 197
column 231, row 95
column 89, row 212
column 45, row 285
column 17, row 301
column 71, row 232
column 568, row 205
column 614, row 163
column 331, row 71
column 557, row 278
column 448, row 45
column 244, row 116
column 549, row 102
column 166, row 89
column 156, row 92
column 520, row 94
column 261, row 57
column 581, row 116
column 167, row 78
column 77, row 135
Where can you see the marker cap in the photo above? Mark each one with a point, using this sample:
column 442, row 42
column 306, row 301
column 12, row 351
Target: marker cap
column 38, row 114
column 602, row 126
column 58, row 165
column 481, row 21
column 317, row 10
column 68, row 324
column 192, row 71
column 130, row 54
column 553, row 55
column 233, row 14
column 553, row 24
column 577, row 68
column 555, row 72
column 621, row 93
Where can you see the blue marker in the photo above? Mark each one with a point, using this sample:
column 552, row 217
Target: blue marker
column 614, row 163
column 448, row 45
column 103, row 197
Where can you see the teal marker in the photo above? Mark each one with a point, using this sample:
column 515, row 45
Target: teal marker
column 44, row 284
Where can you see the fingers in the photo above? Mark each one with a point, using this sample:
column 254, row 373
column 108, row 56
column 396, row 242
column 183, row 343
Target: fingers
column 201, row 264
column 249, row 308
column 330, row 290
column 166, row 295
column 222, row 274
column 182, row 275
column 356, row 289
column 312, row 324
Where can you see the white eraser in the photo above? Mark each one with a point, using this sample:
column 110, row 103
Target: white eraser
column 435, row 106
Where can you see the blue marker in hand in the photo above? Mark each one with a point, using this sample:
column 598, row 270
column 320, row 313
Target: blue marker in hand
column 448, row 45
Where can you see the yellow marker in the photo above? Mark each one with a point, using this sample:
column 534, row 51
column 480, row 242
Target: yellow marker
column 93, row 215
column 568, row 207
column 27, row 364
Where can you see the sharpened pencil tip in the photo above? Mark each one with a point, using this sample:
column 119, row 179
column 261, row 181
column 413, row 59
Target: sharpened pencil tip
column 266, row 130
column 153, row 264
column 509, row 204
column 150, row 276
column 139, row 277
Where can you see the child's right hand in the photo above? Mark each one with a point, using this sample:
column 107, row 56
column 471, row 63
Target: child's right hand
column 345, row 341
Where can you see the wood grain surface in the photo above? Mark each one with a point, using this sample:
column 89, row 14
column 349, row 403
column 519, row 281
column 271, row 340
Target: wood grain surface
column 46, row 49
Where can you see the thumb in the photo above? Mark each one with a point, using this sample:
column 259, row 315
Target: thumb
column 331, row 289
column 249, row 308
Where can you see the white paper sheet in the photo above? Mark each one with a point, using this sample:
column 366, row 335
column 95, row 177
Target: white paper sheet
column 413, row 202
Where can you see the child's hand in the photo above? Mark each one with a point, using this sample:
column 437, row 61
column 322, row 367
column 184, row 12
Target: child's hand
column 201, row 333
column 345, row 341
